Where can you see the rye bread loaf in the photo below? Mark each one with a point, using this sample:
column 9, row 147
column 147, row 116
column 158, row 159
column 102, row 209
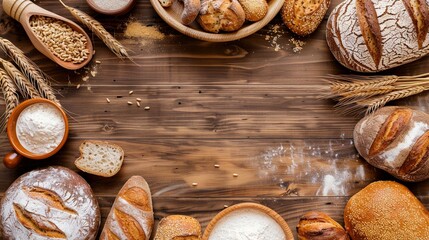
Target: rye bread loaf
column 50, row 203
column 395, row 139
column 386, row 210
column 375, row 35
column 131, row 216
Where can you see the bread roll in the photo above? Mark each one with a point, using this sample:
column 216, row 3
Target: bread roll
column 191, row 8
column 131, row 216
column 178, row 227
column 49, row 203
column 372, row 36
column 395, row 139
column 304, row 16
column 254, row 10
column 386, row 210
column 319, row 226
column 221, row 15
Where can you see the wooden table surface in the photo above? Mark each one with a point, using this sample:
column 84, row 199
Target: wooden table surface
column 252, row 106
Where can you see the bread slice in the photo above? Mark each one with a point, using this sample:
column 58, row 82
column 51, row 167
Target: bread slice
column 100, row 158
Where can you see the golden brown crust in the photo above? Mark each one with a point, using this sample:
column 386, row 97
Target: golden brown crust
column 138, row 197
column 254, row 10
column 370, row 28
column 304, row 16
column 390, row 130
column 178, row 227
column 190, row 12
column 221, row 15
column 419, row 13
column 386, row 210
column 319, row 226
column 418, row 156
column 129, row 225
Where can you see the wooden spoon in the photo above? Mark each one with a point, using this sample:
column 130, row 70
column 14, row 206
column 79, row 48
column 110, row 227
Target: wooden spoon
column 22, row 10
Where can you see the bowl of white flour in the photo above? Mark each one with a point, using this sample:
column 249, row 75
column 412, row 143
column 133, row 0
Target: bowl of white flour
column 37, row 128
column 247, row 221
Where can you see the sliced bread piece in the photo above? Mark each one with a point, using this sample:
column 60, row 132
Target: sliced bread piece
column 100, row 158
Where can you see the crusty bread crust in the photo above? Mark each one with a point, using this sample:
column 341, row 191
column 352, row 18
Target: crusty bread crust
column 254, row 10
column 319, row 226
column 371, row 131
column 221, row 15
column 386, row 210
column 178, row 227
column 131, row 215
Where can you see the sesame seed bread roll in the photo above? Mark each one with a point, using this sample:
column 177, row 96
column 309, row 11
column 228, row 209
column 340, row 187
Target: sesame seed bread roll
column 178, row 227
column 396, row 140
column 386, row 210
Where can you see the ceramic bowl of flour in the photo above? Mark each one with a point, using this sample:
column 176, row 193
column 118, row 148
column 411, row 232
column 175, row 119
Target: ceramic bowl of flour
column 37, row 129
column 247, row 221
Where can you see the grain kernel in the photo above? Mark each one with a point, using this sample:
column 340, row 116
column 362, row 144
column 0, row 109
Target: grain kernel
column 235, row 175
column 107, row 100
column 194, row 184
column 130, row 103
column 147, row 108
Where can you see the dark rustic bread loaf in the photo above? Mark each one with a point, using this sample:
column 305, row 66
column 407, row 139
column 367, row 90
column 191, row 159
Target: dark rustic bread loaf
column 386, row 210
column 319, row 226
column 131, row 216
column 304, row 16
column 178, row 227
column 375, row 35
column 49, row 203
column 395, row 139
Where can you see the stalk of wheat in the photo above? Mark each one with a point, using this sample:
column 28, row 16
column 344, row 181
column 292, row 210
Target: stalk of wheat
column 31, row 71
column 365, row 94
column 10, row 95
column 24, row 86
column 114, row 45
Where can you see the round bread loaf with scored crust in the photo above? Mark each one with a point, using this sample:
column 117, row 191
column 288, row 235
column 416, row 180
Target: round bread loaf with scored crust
column 386, row 210
column 49, row 203
column 396, row 140
column 221, row 15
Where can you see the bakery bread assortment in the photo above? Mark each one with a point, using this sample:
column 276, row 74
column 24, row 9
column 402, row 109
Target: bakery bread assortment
column 178, row 227
column 100, row 158
column 386, row 210
column 303, row 17
column 372, row 36
column 131, row 215
column 395, row 139
column 49, row 203
column 319, row 226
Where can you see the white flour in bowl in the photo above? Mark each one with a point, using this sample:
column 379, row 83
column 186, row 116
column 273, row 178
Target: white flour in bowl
column 40, row 128
column 111, row 4
column 246, row 224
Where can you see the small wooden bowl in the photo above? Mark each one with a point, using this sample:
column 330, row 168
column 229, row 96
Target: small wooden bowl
column 22, row 10
column 274, row 215
column 172, row 16
column 13, row 139
column 120, row 11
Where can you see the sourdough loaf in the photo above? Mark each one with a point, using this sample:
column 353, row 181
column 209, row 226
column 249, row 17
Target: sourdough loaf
column 395, row 139
column 386, row 210
column 319, row 226
column 304, row 16
column 375, row 35
column 131, row 216
column 178, row 227
column 49, row 203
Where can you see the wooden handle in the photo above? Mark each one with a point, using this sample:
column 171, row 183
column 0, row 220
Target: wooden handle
column 12, row 159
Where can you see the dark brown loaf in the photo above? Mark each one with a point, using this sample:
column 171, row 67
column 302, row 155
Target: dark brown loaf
column 304, row 16
column 386, row 210
column 395, row 139
column 375, row 35
column 131, row 215
column 319, row 226
column 54, row 202
column 178, row 227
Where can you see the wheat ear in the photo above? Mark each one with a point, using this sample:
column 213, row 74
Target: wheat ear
column 10, row 97
column 114, row 45
column 341, row 84
column 33, row 73
column 24, row 86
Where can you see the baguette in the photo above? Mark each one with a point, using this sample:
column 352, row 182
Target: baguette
column 375, row 35
column 49, row 203
column 396, row 140
column 386, row 210
column 131, row 216
column 177, row 227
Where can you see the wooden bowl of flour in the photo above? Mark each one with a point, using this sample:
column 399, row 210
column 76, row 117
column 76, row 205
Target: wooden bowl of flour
column 37, row 129
column 251, row 220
